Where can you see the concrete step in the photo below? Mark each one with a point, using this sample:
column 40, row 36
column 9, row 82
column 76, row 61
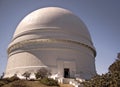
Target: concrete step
column 71, row 82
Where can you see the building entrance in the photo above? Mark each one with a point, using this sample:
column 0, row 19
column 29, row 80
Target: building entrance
column 66, row 73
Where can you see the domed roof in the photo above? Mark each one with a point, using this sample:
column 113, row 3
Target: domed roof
column 56, row 19
column 53, row 17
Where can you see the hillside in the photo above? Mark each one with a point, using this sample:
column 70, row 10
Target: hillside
column 25, row 83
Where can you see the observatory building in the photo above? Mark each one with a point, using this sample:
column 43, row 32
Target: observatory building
column 52, row 38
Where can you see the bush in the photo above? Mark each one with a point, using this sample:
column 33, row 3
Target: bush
column 27, row 75
column 13, row 78
column 105, row 80
column 42, row 73
column 115, row 66
column 8, row 80
column 110, row 79
column 49, row 82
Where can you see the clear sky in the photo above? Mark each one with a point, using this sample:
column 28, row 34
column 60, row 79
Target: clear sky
column 102, row 17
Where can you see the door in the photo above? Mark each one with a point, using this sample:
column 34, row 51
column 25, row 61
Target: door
column 66, row 73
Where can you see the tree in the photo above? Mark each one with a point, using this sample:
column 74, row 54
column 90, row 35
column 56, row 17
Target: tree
column 118, row 56
column 13, row 78
column 110, row 79
column 41, row 73
column 27, row 75
column 116, row 65
column 2, row 75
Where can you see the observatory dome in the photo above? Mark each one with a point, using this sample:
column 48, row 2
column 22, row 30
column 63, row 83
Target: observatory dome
column 62, row 23
column 52, row 37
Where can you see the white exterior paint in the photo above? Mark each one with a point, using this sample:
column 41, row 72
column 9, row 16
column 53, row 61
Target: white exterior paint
column 54, row 38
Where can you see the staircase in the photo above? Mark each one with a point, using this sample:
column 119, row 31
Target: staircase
column 72, row 82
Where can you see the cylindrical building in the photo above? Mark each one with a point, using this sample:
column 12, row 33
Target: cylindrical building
column 55, row 38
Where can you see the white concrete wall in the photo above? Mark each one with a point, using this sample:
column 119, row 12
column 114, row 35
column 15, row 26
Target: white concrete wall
column 78, row 58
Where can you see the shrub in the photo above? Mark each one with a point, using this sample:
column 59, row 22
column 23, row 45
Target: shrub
column 27, row 75
column 5, row 80
column 49, row 82
column 115, row 66
column 110, row 79
column 13, row 78
column 8, row 80
column 42, row 73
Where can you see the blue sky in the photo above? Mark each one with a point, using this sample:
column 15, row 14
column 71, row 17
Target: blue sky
column 102, row 17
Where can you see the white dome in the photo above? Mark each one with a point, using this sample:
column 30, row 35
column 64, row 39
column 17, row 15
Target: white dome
column 62, row 24
column 52, row 17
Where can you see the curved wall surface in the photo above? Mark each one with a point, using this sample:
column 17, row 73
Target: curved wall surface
column 53, row 38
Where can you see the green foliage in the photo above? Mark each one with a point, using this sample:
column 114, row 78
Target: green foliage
column 8, row 80
column 115, row 66
column 49, row 82
column 110, row 79
column 105, row 80
column 27, row 75
column 13, row 78
column 41, row 73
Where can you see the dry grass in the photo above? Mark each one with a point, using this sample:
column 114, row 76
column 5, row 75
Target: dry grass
column 30, row 84
column 36, row 84
column 66, row 85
